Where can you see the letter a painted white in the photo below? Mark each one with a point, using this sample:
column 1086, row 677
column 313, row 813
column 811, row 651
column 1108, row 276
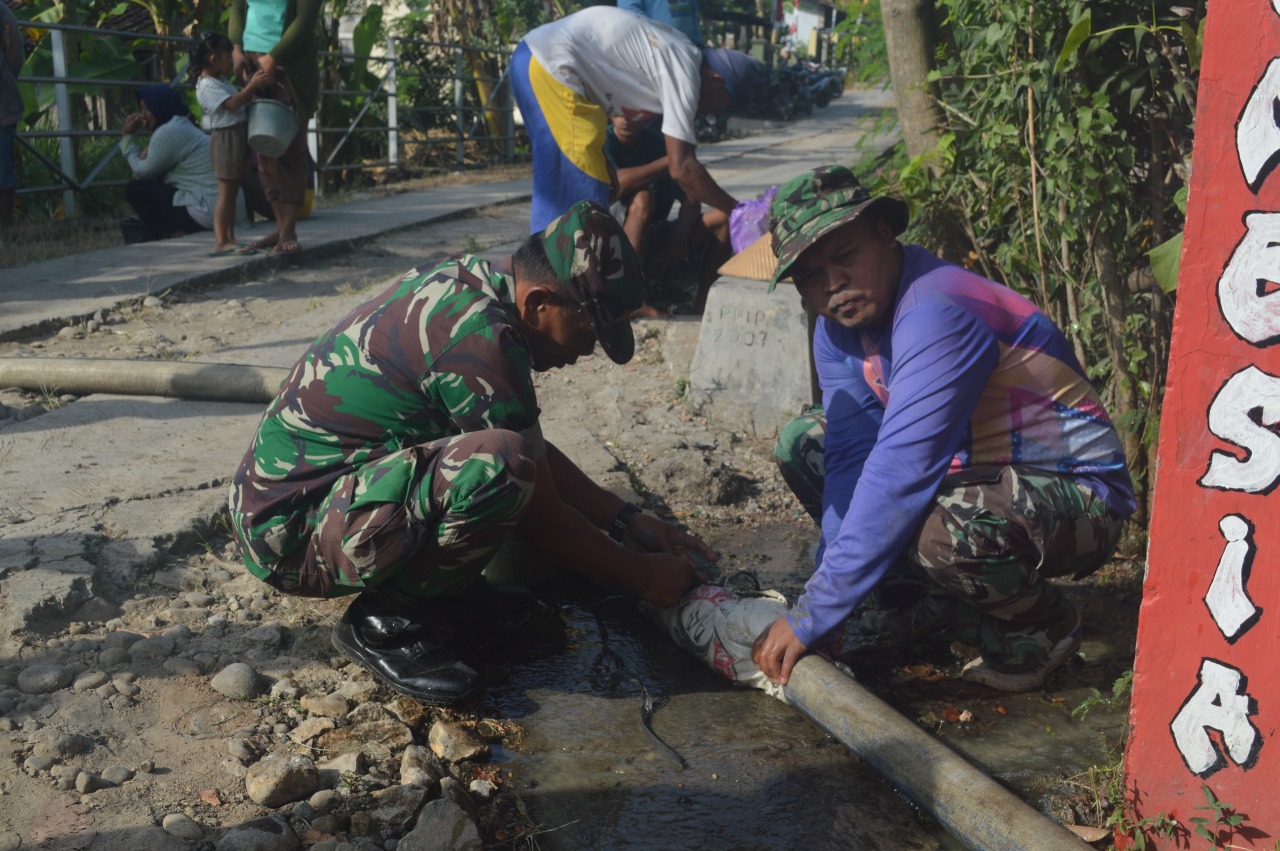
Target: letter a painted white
column 1216, row 704
column 1257, row 136
column 1247, row 391
column 1228, row 601
column 1249, row 302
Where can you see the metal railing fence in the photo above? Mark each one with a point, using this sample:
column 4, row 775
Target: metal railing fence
column 443, row 109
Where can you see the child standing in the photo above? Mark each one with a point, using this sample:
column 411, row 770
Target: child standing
column 229, row 145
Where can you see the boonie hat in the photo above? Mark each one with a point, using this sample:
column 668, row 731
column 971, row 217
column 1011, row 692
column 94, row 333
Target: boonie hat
column 817, row 202
column 594, row 261
column 740, row 72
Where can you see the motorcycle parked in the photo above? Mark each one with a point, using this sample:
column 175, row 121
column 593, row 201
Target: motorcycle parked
column 823, row 83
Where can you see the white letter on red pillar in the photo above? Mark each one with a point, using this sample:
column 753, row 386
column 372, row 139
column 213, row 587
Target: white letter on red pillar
column 1231, row 417
column 1228, row 601
column 1247, row 292
column 1217, row 704
column 1257, row 133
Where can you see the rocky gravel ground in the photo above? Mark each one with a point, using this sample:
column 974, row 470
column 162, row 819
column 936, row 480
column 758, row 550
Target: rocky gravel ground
column 196, row 708
column 191, row 707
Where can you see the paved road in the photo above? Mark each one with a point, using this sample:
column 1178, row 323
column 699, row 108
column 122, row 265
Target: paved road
column 109, row 483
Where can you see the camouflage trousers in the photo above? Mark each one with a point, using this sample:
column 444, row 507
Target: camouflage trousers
column 424, row 520
column 984, row 551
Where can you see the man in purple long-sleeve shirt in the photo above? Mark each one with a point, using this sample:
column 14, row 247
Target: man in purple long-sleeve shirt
column 960, row 443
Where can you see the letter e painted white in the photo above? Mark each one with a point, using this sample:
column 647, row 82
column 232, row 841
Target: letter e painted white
column 1248, row 294
column 1230, row 418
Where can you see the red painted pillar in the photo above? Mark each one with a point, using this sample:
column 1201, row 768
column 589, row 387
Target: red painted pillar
column 1206, row 699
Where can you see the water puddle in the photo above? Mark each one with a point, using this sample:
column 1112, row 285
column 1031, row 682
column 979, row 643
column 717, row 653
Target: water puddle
column 759, row 774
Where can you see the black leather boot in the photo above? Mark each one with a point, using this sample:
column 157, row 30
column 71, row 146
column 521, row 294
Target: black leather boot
column 398, row 649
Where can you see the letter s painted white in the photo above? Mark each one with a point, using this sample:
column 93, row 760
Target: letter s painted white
column 1232, row 413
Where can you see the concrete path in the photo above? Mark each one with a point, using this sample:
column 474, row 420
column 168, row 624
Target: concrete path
column 108, row 484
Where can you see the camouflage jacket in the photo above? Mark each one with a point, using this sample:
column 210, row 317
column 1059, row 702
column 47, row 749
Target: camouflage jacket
column 440, row 353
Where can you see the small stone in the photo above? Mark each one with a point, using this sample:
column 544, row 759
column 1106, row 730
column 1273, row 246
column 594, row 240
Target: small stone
column 281, row 779
column 286, row 690
column 376, row 738
column 121, row 638
column 92, row 326
column 151, row 301
column 420, row 767
column 395, row 812
column 238, row 681
column 454, row 741
column 331, row 770
column 147, row 766
column 87, row 782
column 36, row 764
column 67, row 398
column 240, row 749
column 182, row 667
column 44, row 678
column 482, row 789
column 264, row 834
column 182, row 826
column 120, row 702
column 113, row 656
column 117, row 774
column 89, row 680
column 366, row 712
column 331, row 823
column 323, row 800
column 442, row 826
column 200, row 599
column 106, row 691
column 56, row 744
column 328, row 705
column 126, row 687
column 68, row 331
column 309, row 729
column 9, row 841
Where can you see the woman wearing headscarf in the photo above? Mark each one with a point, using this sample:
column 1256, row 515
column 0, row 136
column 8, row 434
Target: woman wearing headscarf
column 174, row 188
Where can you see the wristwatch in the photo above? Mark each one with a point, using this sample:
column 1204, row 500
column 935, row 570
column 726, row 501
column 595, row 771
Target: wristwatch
column 618, row 528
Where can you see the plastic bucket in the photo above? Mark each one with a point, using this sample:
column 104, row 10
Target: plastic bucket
column 272, row 126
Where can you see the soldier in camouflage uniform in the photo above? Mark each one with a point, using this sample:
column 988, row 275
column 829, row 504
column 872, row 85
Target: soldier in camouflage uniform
column 404, row 447
column 960, row 449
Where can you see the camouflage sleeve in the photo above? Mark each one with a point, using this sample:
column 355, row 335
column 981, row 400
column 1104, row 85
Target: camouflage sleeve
column 485, row 380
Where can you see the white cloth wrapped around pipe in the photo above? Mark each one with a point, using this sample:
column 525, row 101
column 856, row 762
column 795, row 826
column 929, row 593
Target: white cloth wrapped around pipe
column 719, row 627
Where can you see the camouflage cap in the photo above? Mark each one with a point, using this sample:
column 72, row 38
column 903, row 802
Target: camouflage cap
column 596, row 264
column 817, row 202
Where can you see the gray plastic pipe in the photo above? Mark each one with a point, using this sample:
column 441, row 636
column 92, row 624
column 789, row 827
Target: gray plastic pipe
column 970, row 805
column 213, row 382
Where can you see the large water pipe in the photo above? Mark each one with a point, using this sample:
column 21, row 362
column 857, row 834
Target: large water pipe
column 970, row 805
column 213, row 382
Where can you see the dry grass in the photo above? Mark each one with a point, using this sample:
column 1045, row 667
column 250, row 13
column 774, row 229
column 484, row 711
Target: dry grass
column 31, row 241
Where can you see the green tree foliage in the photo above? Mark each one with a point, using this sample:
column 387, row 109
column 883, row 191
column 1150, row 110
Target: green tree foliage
column 1066, row 137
